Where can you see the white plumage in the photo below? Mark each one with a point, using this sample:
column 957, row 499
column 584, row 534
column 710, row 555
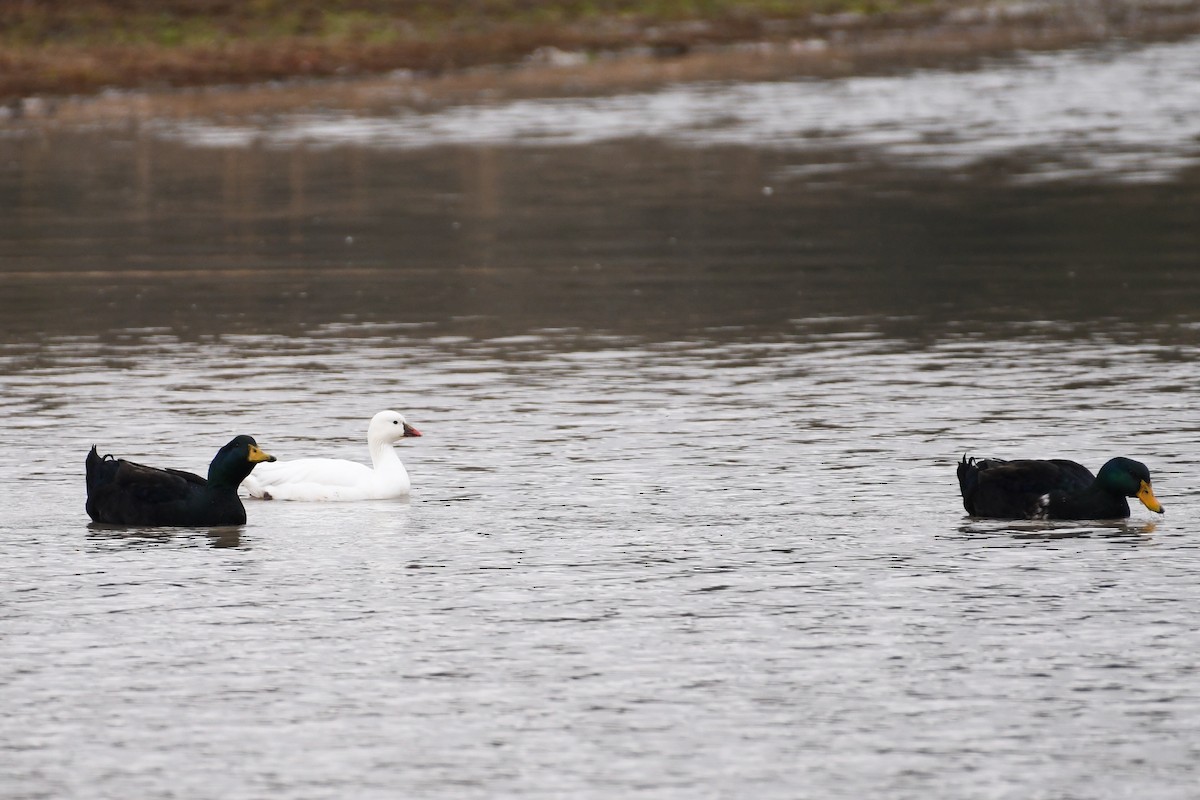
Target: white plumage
column 339, row 479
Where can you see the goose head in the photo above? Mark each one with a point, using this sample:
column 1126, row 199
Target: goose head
column 389, row 427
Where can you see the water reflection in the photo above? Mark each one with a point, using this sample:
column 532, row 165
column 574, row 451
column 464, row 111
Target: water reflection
column 636, row 238
column 225, row 537
column 1132, row 531
column 133, row 537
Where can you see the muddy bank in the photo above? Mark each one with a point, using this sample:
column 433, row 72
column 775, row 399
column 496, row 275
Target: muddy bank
column 605, row 56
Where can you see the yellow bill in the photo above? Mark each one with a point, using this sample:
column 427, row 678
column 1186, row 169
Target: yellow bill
column 257, row 455
column 1146, row 495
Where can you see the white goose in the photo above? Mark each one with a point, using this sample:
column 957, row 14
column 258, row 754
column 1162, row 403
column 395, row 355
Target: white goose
column 338, row 479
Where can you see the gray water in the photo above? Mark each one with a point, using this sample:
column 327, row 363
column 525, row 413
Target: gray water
column 684, row 520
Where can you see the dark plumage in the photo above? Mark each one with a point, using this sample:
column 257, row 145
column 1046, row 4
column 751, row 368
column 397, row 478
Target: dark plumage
column 121, row 492
column 1054, row 489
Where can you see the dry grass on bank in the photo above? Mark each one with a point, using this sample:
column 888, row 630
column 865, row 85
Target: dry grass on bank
column 84, row 46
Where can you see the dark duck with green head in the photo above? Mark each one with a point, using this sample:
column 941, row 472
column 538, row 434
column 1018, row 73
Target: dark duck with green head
column 121, row 492
column 1053, row 489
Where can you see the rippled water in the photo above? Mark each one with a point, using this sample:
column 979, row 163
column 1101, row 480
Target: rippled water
column 684, row 519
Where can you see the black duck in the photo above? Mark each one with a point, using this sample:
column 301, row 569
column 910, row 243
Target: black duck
column 122, row 492
column 1053, row 489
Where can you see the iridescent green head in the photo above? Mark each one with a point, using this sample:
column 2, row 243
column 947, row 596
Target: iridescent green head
column 1131, row 479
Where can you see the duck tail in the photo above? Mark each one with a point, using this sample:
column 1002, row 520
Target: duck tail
column 968, row 481
column 968, row 464
column 94, row 467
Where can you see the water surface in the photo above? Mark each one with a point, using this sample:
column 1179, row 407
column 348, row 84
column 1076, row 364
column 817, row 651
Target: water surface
column 684, row 519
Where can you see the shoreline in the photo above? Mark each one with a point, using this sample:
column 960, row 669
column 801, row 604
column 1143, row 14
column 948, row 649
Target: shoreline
column 816, row 46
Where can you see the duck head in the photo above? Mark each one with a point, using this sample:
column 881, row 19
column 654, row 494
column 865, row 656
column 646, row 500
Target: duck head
column 1131, row 479
column 235, row 460
column 388, row 427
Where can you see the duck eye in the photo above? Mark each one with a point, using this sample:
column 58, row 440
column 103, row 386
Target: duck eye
column 395, row 422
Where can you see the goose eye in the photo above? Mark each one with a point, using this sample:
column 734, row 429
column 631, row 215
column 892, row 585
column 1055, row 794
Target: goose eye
column 395, row 422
